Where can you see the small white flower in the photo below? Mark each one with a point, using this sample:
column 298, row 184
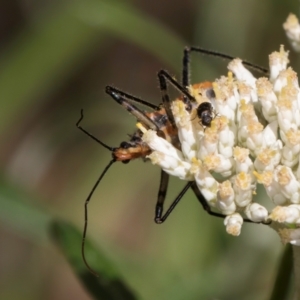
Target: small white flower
column 206, row 183
column 289, row 185
column 267, row 98
column 278, row 62
column 268, row 158
column 256, row 212
column 286, row 214
column 233, row 224
column 242, row 74
column 292, row 29
column 185, row 129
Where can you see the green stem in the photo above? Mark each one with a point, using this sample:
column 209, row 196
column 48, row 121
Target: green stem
column 284, row 274
column 296, row 259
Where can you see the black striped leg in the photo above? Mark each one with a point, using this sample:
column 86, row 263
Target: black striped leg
column 131, row 98
column 186, row 62
column 186, row 72
column 160, row 218
column 164, row 78
column 162, row 192
column 121, row 98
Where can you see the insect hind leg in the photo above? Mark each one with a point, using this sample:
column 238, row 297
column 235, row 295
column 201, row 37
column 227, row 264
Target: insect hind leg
column 207, row 207
column 186, row 62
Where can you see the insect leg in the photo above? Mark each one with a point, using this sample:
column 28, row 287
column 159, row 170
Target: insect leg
column 165, row 77
column 186, row 59
column 162, row 192
column 204, row 203
column 186, row 67
column 132, row 98
column 120, row 98
column 159, row 218
column 207, row 208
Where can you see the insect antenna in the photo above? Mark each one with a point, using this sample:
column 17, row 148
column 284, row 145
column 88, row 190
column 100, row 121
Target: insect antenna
column 86, row 216
column 111, row 149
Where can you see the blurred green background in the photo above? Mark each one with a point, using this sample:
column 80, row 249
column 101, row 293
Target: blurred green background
column 56, row 57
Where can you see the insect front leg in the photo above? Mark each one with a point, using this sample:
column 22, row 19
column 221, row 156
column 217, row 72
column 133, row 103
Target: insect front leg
column 131, row 98
column 121, row 98
column 165, row 77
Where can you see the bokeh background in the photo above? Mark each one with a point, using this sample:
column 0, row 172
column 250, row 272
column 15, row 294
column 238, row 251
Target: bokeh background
column 56, row 57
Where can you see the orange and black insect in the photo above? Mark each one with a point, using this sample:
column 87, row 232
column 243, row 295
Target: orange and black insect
column 160, row 119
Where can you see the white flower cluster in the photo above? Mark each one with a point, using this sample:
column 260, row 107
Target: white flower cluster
column 253, row 139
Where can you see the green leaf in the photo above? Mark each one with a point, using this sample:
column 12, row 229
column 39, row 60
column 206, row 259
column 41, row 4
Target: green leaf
column 18, row 213
column 282, row 284
column 109, row 284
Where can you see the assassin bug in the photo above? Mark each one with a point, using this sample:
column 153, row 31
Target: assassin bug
column 161, row 120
